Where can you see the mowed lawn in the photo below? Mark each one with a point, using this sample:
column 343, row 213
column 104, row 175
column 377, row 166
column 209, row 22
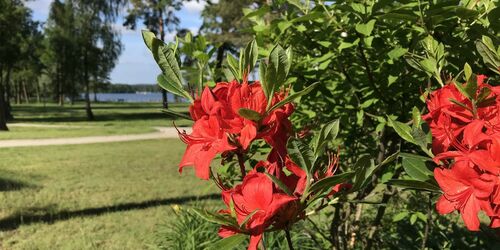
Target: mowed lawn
column 110, row 119
column 94, row 196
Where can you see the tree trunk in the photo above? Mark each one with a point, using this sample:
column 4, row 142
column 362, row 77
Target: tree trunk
column 25, row 92
column 8, row 107
column 219, row 59
column 164, row 95
column 95, row 91
column 60, row 93
column 37, row 91
column 3, row 111
column 88, row 108
column 17, row 92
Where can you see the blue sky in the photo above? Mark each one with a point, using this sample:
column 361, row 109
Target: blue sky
column 135, row 65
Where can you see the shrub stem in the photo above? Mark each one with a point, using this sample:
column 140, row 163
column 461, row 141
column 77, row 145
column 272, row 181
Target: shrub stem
column 289, row 239
column 241, row 162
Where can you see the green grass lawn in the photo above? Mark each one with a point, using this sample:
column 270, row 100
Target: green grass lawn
column 110, row 119
column 94, row 196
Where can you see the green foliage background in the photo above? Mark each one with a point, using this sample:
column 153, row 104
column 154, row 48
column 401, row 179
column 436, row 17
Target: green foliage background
column 374, row 63
column 374, row 60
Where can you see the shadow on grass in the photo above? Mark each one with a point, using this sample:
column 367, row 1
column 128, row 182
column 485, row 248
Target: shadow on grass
column 32, row 216
column 12, row 185
column 101, row 117
column 102, row 112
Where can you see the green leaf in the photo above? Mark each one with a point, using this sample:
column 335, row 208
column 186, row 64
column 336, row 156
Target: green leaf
column 279, row 183
column 366, row 29
column 420, row 137
column 417, row 169
column 428, row 64
column 488, row 53
column 397, row 53
column 248, row 217
column 366, row 174
column 414, row 184
column 263, row 76
column 399, row 216
column 358, row 7
column 345, row 45
column 172, row 87
column 301, row 154
column 421, row 216
column 483, row 95
column 327, row 133
column 403, row 130
column 289, row 55
column 463, row 90
column 487, row 102
column 164, row 57
column 391, row 80
column 250, row 114
column 413, row 219
column 488, row 42
column 296, row 3
column 362, row 166
column 250, row 56
column 294, row 96
column 471, row 87
column 148, row 38
column 277, row 68
column 417, row 117
column 232, row 209
column 458, row 103
column 414, row 156
column 467, row 71
column 233, row 66
column 329, row 182
column 229, row 242
column 215, row 217
column 389, row 159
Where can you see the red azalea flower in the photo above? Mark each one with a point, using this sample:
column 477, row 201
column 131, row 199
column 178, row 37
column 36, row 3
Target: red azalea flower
column 257, row 198
column 476, row 149
column 466, row 190
column 447, row 118
column 206, row 141
column 274, row 127
column 219, row 127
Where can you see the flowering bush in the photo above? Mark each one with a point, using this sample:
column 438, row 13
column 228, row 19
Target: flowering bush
column 371, row 59
column 464, row 120
column 271, row 194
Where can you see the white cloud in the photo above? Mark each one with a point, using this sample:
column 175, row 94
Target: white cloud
column 194, row 6
column 39, row 6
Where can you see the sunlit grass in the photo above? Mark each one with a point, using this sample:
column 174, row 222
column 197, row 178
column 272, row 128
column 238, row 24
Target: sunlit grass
column 107, row 196
column 110, row 119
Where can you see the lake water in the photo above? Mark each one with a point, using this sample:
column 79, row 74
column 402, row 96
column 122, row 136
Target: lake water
column 132, row 97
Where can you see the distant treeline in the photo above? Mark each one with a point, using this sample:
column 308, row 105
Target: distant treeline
column 128, row 88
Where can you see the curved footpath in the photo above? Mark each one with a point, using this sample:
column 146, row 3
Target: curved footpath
column 162, row 133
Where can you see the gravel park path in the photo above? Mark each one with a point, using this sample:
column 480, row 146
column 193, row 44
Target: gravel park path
column 163, row 133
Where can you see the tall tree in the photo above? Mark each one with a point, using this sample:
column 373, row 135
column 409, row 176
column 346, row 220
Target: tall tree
column 14, row 17
column 83, row 47
column 158, row 16
column 61, row 53
column 224, row 25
